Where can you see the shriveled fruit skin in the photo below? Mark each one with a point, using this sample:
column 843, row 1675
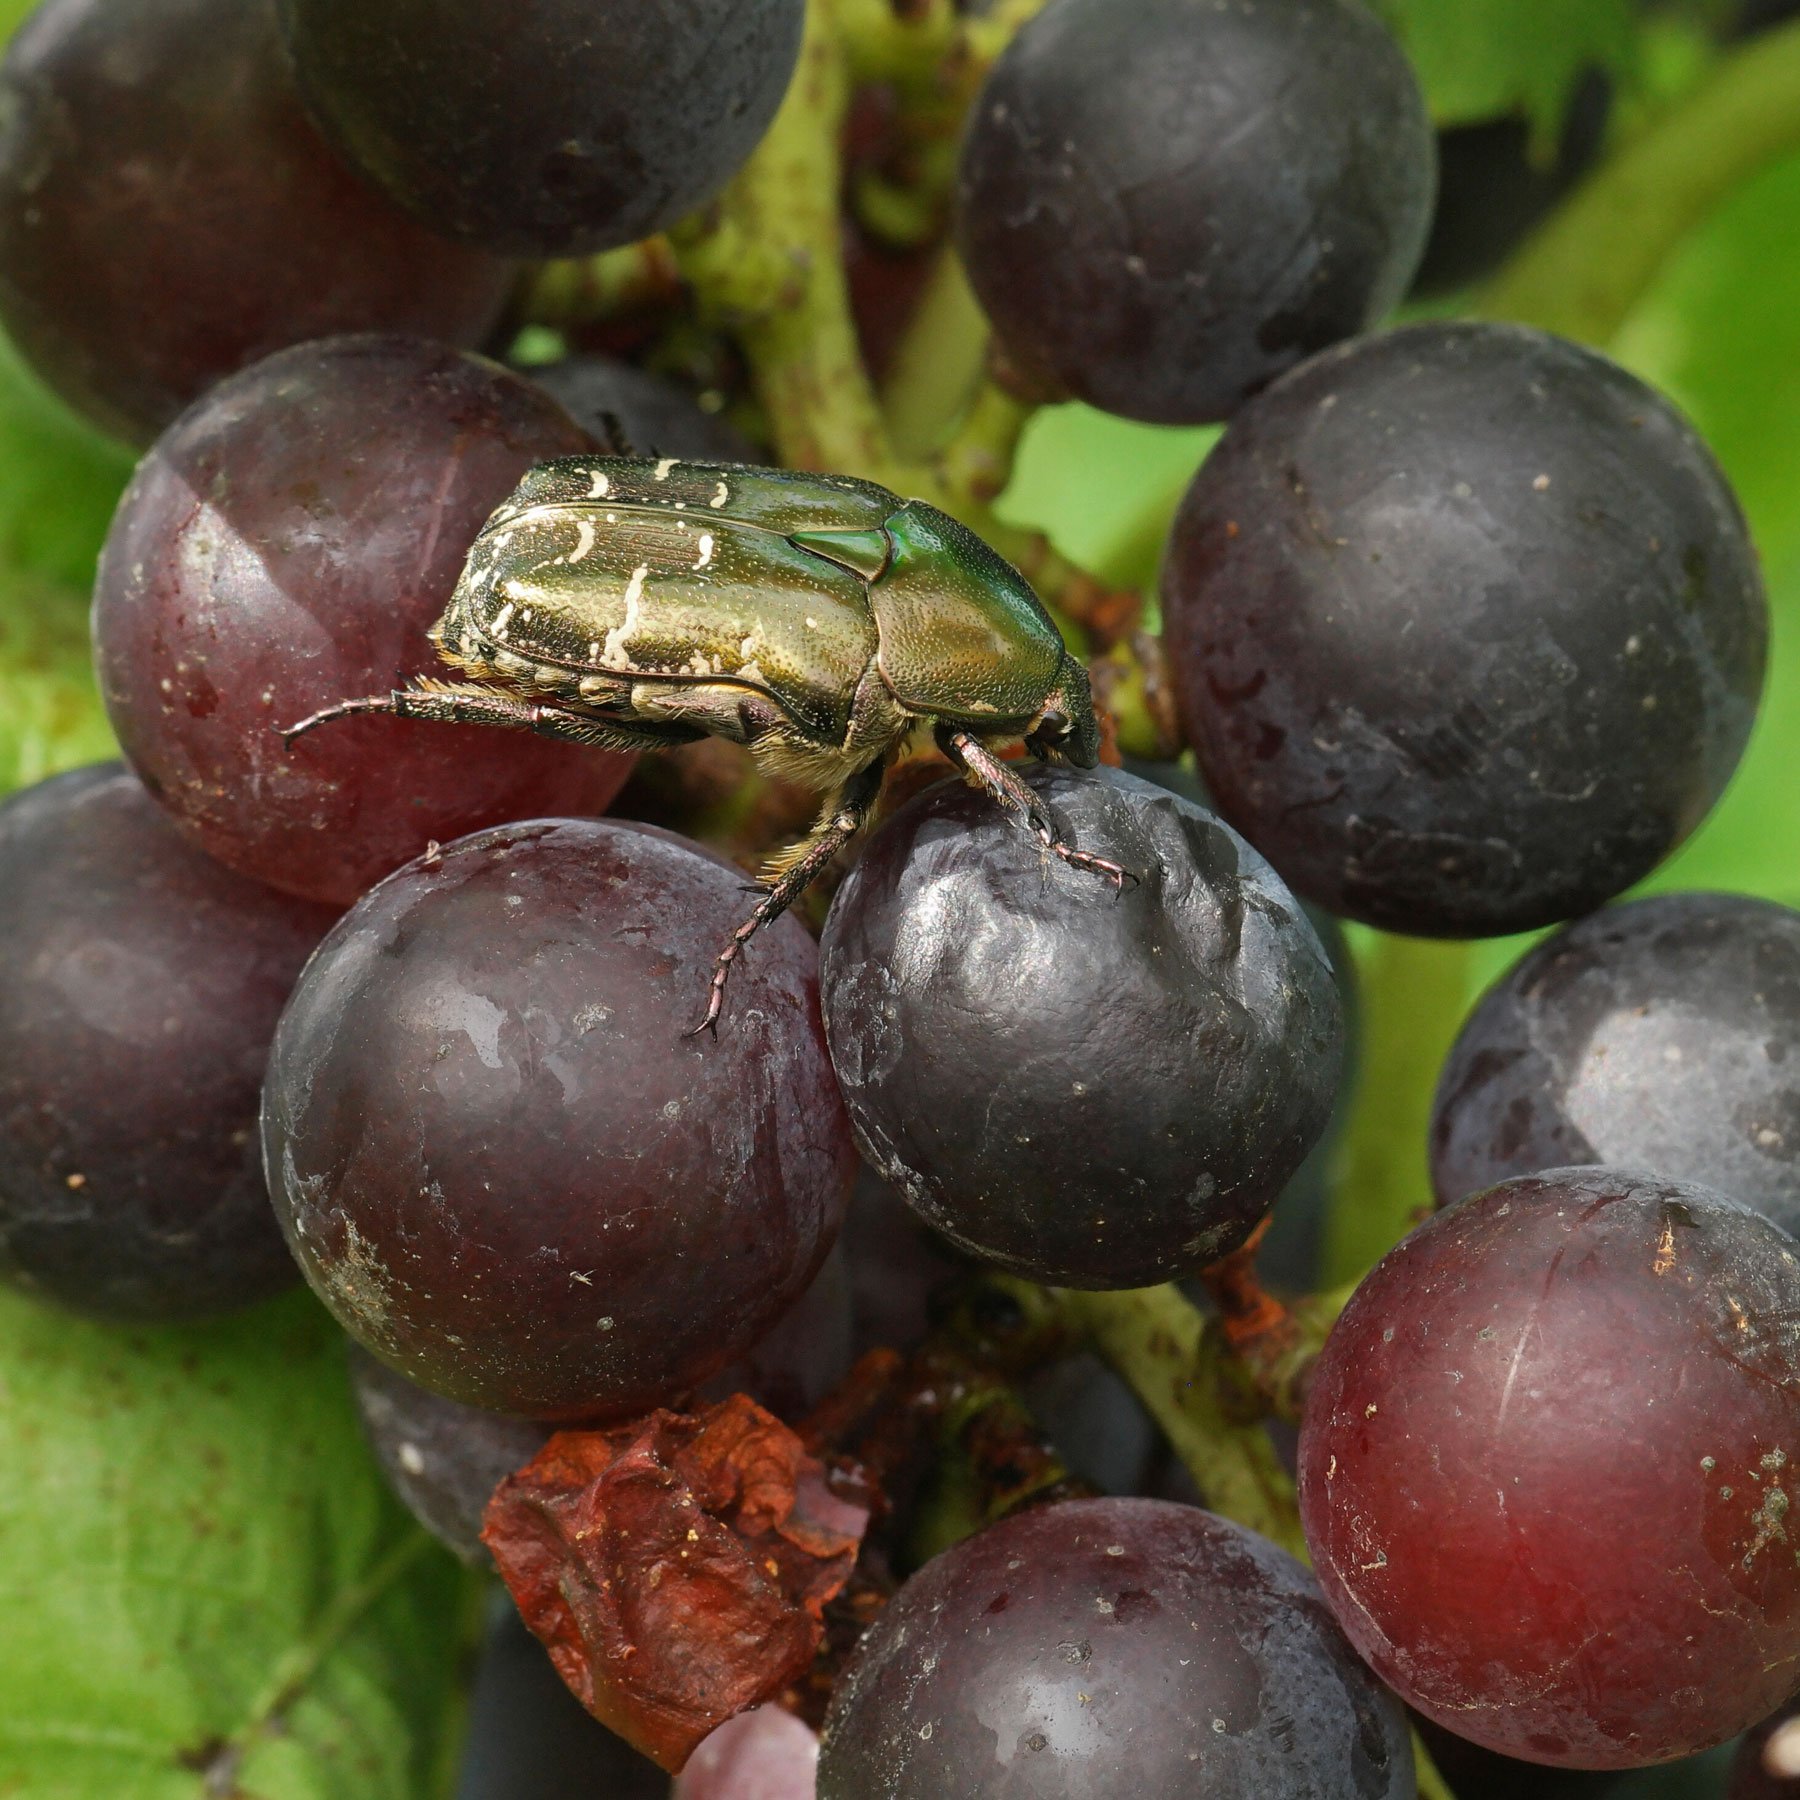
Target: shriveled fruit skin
column 549, row 130
column 287, row 543
column 1111, row 1650
column 1660, row 1034
column 1547, row 1466
column 140, row 983
column 1092, row 1087
column 1466, row 627
column 169, row 214
column 500, row 1161
column 1162, row 205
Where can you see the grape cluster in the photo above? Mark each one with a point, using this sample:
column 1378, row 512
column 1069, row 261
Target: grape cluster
column 1466, row 632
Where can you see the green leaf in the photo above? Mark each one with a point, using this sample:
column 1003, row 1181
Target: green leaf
column 1477, row 59
column 1720, row 332
column 59, row 483
column 208, row 1591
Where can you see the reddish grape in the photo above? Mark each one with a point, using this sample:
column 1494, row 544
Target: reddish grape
column 502, row 1164
column 1546, row 1468
column 140, row 983
column 287, row 543
column 168, row 214
column 763, row 1754
column 1111, row 1650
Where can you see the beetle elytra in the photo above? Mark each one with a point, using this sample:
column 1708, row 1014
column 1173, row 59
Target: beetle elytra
column 634, row 603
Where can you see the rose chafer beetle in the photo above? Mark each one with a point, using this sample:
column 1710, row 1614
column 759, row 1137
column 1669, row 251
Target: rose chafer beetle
column 635, row 603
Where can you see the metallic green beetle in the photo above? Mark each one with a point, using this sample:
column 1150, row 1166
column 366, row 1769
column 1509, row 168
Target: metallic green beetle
column 821, row 620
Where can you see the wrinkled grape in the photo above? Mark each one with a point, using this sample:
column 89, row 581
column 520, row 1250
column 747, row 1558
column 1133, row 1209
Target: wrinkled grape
column 1092, row 1087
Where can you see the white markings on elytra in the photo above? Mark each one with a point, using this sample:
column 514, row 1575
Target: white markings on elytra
column 593, row 650
column 601, row 488
column 501, row 620
column 706, row 549
column 720, row 495
column 663, row 467
column 614, row 655
column 584, row 540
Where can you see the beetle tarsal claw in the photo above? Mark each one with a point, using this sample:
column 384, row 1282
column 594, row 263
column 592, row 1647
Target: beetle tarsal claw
column 343, row 709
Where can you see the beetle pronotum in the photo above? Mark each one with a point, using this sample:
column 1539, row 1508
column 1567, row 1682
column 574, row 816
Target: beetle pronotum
column 635, row 603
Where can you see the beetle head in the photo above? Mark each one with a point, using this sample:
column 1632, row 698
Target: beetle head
column 1066, row 728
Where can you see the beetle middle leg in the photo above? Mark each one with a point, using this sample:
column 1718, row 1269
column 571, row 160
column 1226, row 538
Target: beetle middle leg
column 995, row 779
column 842, row 817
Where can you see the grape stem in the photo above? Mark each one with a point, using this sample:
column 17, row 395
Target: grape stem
column 765, row 266
column 1414, row 996
column 1584, row 269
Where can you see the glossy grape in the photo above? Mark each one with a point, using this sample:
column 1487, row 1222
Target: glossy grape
column 553, row 130
column 1092, row 1087
column 1663, row 1034
column 140, row 983
column 499, row 1160
column 764, row 1754
column 1162, row 206
column 1466, row 628
column 288, row 543
column 1547, row 1464
column 1111, row 1650
column 168, row 214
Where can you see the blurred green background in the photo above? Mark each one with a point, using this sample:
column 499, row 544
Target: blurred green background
column 188, row 1518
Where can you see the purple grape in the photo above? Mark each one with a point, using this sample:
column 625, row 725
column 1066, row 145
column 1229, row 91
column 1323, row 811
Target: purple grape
column 1164, row 205
column 1110, row 1650
column 503, row 1165
column 550, row 130
column 140, row 983
column 1547, row 1465
column 1663, row 1034
column 168, row 214
column 1466, row 627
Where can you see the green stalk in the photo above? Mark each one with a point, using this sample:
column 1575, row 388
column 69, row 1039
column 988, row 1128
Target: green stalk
column 1589, row 264
column 1414, row 996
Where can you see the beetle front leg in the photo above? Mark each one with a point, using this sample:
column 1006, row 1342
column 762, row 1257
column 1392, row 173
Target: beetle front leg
column 844, row 815
column 995, row 779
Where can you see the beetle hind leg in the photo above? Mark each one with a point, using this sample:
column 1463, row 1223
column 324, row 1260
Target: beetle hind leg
column 464, row 703
column 995, row 779
column 787, row 876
